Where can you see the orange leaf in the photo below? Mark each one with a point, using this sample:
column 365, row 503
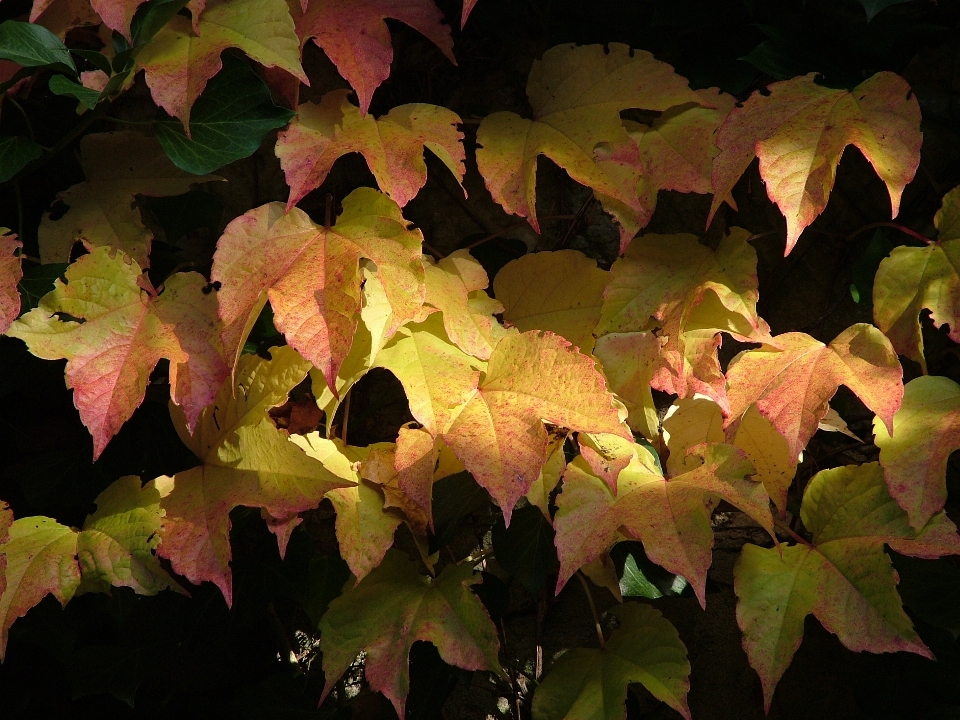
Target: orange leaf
column 116, row 333
column 392, row 146
column 355, row 37
column 10, row 274
column 792, row 385
column 311, row 274
column 530, row 379
column 799, row 130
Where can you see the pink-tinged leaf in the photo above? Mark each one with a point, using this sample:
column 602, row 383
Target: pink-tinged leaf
column 10, row 274
column 670, row 516
column 178, row 62
column 456, row 287
column 926, row 430
column 530, row 379
column 6, row 520
column 41, row 558
column 392, row 145
column 119, row 330
column 843, row 577
column 468, row 6
column 577, row 94
column 117, row 14
column 415, row 460
column 686, row 294
column 61, row 16
column 311, row 274
column 245, row 460
column 394, row 607
column 355, row 37
column 913, row 278
column 792, row 385
column 799, row 130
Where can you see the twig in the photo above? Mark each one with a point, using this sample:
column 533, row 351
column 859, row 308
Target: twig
column 573, row 223
column 433, row 251
column 593, row 608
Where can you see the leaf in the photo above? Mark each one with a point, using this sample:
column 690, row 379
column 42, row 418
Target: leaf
column 10, row 275
column 88, row 98
column 118, row 167
column 311, row 274
column 355, row 37
column 697, row 420
column 33, row 45
column 245, row 460
column 16, row 153
column 364, row 530
column 228, row 122
column 437, row 377
column 843, row 578
column 117, row 14
column 468, row 6
column 391, row 609
column 687, row 294
column 926, row 429
column 392, row 146
column 115, row 330
column 577, row 94
column 6, row 520
column 530, row 379
column 669, row 516
column 41, row 558
column 792, row 385
column 559, row 291
column 61, row 16
column 592, row 683
column 873, row 7
column 911, row 279
column 525, row 549
column 799, row 129
column 539, row 493
column 455, row 286
column 117, row 546
column 178, row 63
column 629, row 361
column 677, row 149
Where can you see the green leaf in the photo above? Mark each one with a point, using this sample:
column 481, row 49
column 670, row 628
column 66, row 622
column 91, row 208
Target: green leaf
column 392, row 608
column 15, row 153
column 525, row 549
column 60, row 85
column 147, row 24
column 641, row 577
column 98, row 60
column 592, row 683
column 843, row 577
column 33, row 46
column 117, row 545
column 227, row 123
column 873, row 7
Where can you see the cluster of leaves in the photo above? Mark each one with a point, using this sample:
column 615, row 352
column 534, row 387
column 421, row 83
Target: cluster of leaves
column 538, row 383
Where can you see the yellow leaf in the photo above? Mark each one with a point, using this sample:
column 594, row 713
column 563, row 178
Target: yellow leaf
column 558, row 291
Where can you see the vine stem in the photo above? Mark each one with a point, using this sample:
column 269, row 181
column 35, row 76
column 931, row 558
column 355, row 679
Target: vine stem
column 88, row 119
column 511, row 228
column 896, row 226
column 23, row 114
column 346, row 416
column 593, row 607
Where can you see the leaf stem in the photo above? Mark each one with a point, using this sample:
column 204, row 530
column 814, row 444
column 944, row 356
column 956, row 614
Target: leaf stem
column 593, row 607
column 791, row 532
column 23, row 114
column 346, row 415
column 896, row 226
column 511, row 228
